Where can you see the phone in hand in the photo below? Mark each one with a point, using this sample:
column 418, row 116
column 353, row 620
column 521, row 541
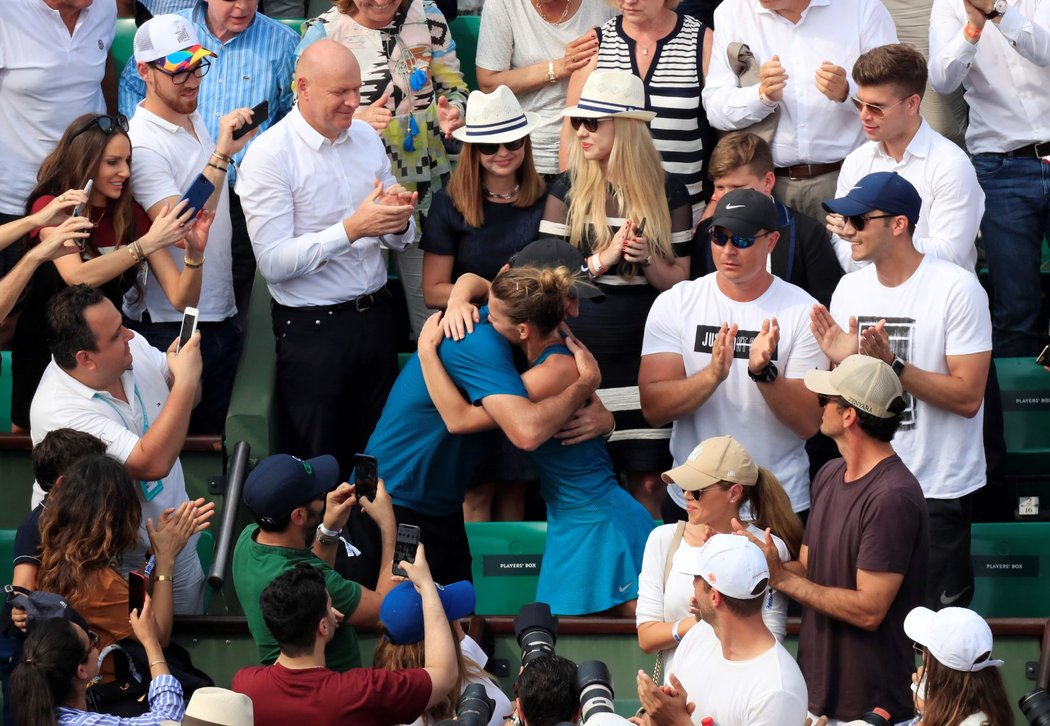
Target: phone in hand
column 1043, row 358
column 366, row 476
column 260, row 113
column 136, row 591
column 199, row 193
column 640, row 229
column 405, row 547
column 78, row 211
column 189, row 327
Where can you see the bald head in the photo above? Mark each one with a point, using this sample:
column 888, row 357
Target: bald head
column 328, row 84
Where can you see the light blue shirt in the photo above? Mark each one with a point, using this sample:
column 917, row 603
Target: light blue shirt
column 251, row 67
column 165, row 704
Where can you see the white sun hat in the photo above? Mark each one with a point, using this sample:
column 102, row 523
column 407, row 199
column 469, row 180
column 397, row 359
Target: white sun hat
column 495, row 118
column 618, row 94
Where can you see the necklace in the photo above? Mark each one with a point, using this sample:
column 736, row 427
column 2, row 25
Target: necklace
column 564, row 13
column 98, row 221
column 509, row 195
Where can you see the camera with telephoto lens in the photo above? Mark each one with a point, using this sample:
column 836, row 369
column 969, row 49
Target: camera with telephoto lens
column 474, row 708
column 594, row 683
column 1035, row 707
column 536, row 630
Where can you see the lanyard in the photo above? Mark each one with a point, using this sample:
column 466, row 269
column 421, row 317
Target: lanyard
column 150, row 489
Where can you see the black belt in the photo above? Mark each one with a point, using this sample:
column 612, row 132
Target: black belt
column 357, row 304
column 1036, row 150
column 807, row 171
column 202, row 324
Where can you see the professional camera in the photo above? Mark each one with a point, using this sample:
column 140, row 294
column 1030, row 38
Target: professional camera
column 536, row 630
column 875, row 717
column 594, row 683
column 474, row 708
column 1035, row 707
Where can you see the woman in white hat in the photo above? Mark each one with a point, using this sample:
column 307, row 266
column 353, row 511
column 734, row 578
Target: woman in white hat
column 615, row 186
column 959, row 683
column 490, row 210
column 719, row 478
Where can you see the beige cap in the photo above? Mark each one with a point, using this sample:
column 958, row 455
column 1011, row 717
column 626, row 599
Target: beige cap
column 866, row 383
column 721, row 458
column 218, row 707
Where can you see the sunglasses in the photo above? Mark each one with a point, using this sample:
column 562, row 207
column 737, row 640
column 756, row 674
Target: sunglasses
column 740, row 241
column 96, row 642
column 874, row 109
column 823, row 401
column 490, row 149
column 859, row 221
column 108, row 125
column 591, row 124
column 180, row 77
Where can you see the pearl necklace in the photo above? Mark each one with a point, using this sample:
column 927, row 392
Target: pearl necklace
column 564, row 13
column 509, row 195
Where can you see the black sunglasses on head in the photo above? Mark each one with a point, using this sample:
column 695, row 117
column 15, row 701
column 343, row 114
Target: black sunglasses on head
column 108, row 125
column 490, row 149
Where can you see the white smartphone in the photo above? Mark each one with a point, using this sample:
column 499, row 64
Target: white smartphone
column 78, row 211
column 189, row 327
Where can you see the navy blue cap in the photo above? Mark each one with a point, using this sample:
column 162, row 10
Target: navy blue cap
column 887, row 191
column 402, row 609
column 746, row 212
column 556, row 252
column 280, row 483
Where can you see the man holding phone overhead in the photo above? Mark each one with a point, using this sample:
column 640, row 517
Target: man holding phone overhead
column 175, row 157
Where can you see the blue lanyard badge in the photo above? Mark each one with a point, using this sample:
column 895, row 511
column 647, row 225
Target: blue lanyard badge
column 150, row 489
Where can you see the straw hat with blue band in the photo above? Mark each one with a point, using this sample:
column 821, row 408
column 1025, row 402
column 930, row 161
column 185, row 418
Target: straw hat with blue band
column 615, row 94
column 495, row 118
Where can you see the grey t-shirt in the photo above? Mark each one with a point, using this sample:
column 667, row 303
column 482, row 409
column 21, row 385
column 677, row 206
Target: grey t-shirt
column 513, row 35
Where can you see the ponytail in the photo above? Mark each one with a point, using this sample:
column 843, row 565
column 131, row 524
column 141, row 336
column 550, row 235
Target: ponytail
column 771, row 509
column 43, row 679
column 534, row 295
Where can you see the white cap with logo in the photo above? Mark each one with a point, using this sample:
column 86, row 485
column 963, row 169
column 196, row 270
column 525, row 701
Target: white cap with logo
column 731, row 564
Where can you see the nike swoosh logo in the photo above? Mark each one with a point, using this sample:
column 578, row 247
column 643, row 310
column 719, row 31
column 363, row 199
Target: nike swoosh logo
column 735, row 206
column 624, row 588
column 949, row 599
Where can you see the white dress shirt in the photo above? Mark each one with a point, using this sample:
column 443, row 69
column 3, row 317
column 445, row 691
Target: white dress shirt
column 296, row 188
column 952, row 200
column 1006, row 75
column 812, row 127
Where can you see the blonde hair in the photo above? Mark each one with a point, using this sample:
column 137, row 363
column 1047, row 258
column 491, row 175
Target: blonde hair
column 534, row 295
column 771, row 509
column 637, row 179
column 464, row 189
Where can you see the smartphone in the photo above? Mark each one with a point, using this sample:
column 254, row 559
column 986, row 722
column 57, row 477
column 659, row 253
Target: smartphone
column 366, row 476
column 136, row 591
column 199, row 193
column 189, row 327
column 1043, row 358
column 78, row 211
column 405, row 546
column 640, row 229
column 259, row 114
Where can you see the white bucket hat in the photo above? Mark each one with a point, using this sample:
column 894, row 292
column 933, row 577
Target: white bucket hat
column 957, row 637
column 618, row 94
column 495, row 118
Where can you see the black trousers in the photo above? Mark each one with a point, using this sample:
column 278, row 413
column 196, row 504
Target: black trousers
column 243, row 259
column 334, row 371
column 949, row 581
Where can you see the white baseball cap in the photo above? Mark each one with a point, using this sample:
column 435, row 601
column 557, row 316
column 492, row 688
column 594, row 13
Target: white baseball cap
column 957, row 637
column 731, row 564
column 171, row 38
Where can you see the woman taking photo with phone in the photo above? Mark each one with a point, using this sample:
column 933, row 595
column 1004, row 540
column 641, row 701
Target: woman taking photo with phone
column 721, row 483
column 117, row 255
column 633, row 224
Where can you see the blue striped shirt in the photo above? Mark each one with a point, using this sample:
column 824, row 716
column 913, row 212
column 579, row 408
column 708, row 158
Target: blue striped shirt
column 251, row 67
column 165, row 704
column 163, row 7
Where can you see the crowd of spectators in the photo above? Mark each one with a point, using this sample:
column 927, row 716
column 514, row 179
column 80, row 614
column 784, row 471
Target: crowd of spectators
column 713, row 264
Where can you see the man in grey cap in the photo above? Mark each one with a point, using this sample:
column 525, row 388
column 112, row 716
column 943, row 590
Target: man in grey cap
column 697, row 329
column 863, row 560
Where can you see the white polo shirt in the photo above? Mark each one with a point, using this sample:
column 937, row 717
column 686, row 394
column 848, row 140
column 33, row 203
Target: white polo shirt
column 166, row 160
column 47, row 78
column 62, row 401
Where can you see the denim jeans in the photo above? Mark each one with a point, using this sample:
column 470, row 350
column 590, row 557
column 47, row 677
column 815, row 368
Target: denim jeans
column 1017, row 216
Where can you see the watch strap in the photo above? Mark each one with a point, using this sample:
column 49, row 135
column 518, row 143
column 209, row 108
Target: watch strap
column 766, row 375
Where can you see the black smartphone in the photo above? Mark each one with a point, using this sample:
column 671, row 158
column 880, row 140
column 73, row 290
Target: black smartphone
column 259, row 114
column 199, row 193
column 1043, row 358
column 136, row 591
column 189, row 327
column 405, row 546
column 366, row 476
column 640, row 229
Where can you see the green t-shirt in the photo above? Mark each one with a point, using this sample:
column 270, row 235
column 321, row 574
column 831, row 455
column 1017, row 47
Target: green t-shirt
column 255, row 566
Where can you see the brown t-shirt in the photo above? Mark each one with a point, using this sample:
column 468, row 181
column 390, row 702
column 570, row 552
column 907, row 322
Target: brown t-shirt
column 876, row 523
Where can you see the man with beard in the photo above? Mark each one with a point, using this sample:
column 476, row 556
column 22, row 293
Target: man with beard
column 300, row 508
column 171, row 149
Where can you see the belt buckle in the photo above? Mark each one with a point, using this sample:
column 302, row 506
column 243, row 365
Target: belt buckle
column 363, row 302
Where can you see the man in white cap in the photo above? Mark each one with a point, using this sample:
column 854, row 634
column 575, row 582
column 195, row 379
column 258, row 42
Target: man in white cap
column 862, row 566
column 729, row 667
column 172, row 148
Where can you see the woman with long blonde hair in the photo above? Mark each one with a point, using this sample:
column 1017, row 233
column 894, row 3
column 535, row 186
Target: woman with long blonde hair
column 633, row 223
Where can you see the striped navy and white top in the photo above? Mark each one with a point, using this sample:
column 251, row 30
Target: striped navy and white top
column 672, row 87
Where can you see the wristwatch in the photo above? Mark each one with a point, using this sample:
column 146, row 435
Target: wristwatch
column 897, row 365
column 997, row 9
column 766, row 375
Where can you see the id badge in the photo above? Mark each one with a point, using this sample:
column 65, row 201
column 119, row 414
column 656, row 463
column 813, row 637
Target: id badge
column 150, row 489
